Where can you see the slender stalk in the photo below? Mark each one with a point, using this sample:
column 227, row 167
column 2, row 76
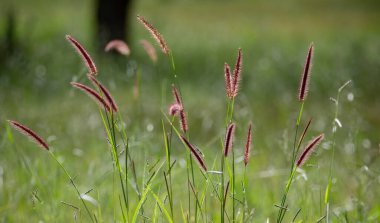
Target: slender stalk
column 72, row 183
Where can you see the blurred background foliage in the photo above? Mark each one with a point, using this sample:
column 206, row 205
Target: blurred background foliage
column 37, row 64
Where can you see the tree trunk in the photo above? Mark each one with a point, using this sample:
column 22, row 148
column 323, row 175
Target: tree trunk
column 111, row 20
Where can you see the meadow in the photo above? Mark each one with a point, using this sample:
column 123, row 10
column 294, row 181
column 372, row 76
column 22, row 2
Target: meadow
column 202, row 35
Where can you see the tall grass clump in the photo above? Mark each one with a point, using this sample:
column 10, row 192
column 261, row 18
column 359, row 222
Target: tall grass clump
column 210, row 186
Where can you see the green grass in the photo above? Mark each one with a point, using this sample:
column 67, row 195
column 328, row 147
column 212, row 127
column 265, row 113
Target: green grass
column 35, row 90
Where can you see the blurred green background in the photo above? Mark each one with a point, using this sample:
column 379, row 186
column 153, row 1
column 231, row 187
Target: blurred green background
column 274, row 36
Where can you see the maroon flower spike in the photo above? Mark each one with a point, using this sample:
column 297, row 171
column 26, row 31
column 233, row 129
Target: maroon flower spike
column 304, row 84
column 29, row 133
column 176, row 95
column 309, row 149
column 93, row 94
column 228, row 141
column 156, row 35
column 237, row 74
column 227, row 80
column 248, row 145
column 104, row 91
column 195, row 153
column 118, row 45
column 83, row 53
column 183, row 120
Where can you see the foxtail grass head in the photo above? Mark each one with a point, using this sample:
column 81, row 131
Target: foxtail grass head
column 196, row 154
column 149, row 49
column 110, row 101
column 232, row 80
column 155, row 34
column 83, row 53
column 304, row 83
column 248, row 145
column 229, row 138
column 119, row 46
column 309, row 149
column 30, row 134
column 92, row 94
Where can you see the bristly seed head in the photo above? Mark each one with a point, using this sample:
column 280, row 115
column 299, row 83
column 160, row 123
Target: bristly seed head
column 237, row 73
column 183, row 120
column 228, row 140
column 227, row 80
column 156, row 35
column 149, row 49
column 312, row 145
column 118, row 45
column 93, row 94
column 83, row 53
column 248, row 145
column 195, row 153
column 29, row 133
column 174, row 109
column 104, row 91
column 304, row 83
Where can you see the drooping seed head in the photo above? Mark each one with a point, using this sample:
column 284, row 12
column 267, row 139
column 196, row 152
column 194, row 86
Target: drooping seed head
column 304, row 83
column 104, row 91
column 237, row 73
column 195, row 154
column 149, row 49
column 311, row 146
column 174, row 109
column 155, row 34
column 119, row 46
column 83, row 53
column 248, row 145
column 227, row 80
column 92, row 94
column 30, row 134
column 229, row 138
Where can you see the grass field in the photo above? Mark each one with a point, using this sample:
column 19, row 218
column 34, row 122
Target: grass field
column 203, row 35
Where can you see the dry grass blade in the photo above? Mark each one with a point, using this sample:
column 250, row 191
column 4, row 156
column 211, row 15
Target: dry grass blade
column 228, row 141
column 29, row 133
column 312, row 145
column 248, row 145
column 83, row 53
column 195, row 153
column 156, row 35
column 104, row 91
column 149, row 49
column 119, row 46
column 304, row 84
column 93, row 94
